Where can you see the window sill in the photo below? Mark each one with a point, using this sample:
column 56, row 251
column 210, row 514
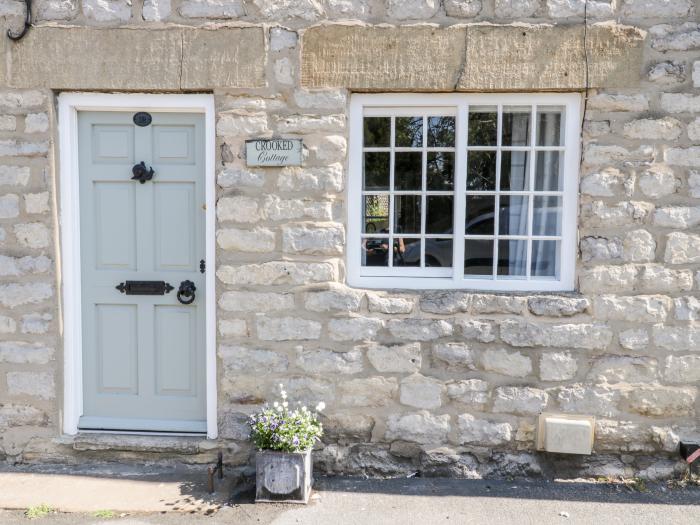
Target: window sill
column 467, row 285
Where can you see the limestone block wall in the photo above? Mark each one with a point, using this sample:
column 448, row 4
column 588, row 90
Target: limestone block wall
column 448, row 383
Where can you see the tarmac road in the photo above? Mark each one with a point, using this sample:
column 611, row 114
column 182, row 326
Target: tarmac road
column 341, row 501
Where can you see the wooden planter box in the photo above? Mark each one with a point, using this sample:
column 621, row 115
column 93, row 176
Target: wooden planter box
column 283, row 477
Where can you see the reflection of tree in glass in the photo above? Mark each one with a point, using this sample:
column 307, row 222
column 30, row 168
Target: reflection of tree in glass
column 376, row 170
column 377, row 131
column 376, row 212
column 441, row 171
column 407, row 214
column 409, row 132
column 439, row 214
column 481, row 170
column 441, row 132
column 482, row 129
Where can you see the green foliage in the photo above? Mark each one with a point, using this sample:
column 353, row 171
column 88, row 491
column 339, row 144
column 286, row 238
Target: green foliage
column 105, row 514
column 38, row 511
column 277, row 427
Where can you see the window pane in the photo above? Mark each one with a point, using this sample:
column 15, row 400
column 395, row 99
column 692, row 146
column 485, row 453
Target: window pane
column 481, row 171
column 548, row 171
column 512, row 257
column 409, row 132
column 438, row 252
column 441, row 132
column 407, row 214
column 406, row 252
column 377, row 131
column 546, row 216
column 375, row 251
column 376, row 171
column 438, row 217
column 478, row 257
column 479, row 217
column 549, row 128
column 513, row 215
column 441, row 169
column 483, row 124
column 545, row 259
column 516, row 127
column 514, row 171
column 375, row 214
column 408, row 171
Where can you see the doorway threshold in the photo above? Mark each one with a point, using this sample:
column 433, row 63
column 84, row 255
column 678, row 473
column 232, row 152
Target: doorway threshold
column 162, row 443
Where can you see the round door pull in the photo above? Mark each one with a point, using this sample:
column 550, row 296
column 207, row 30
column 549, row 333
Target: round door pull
column 185, row 294
column 141, row 173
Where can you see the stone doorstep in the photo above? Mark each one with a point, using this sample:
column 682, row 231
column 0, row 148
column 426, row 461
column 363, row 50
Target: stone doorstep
column 187, row 445
column 116, row 487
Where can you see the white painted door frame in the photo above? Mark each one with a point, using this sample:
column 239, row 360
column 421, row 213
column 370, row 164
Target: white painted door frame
column 70, row 279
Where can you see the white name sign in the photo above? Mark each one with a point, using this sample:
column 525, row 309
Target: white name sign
column 273, row 152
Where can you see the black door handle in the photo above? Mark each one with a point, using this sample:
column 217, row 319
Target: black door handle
column 142, row 173
column 185, row 294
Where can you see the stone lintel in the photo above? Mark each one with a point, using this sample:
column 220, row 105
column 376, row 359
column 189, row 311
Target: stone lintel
column 480, row 57
column 137, row 59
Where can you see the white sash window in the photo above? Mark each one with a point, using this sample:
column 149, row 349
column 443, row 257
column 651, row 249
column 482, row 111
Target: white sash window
column 463, row 191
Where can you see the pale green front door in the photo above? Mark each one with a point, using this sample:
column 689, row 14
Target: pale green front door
column 143, row 351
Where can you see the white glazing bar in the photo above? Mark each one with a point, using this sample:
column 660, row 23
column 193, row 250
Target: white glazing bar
column 424, row 187
column 460, row 187
column 496, row 200
column 392, row 133
column 531, row 199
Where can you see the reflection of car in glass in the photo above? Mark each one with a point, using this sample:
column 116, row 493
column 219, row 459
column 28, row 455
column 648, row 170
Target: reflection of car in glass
column 438, row 252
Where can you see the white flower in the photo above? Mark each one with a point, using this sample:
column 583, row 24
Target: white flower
column 283, row 394
column 304, row 409
column 285, row 404
column 275, row 404
column 279, row 408
column 320, row 406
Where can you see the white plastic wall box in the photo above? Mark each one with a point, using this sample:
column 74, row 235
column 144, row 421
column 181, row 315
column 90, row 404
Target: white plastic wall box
column 565, row 433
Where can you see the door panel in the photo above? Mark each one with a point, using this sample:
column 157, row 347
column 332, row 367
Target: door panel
column 115, row 225
column 113, row 144
column 173, row 144
column 176, row 332
column 143, row 355
column 115, row 344
column 174, row 220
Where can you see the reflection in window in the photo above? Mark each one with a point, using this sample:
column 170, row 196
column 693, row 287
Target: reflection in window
column 505, row 183
column 408, row 191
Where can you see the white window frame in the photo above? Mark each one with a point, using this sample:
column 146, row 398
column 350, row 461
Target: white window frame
column 417, row 278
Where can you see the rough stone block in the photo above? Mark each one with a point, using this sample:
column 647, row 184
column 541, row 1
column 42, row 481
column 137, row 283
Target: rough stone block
column 171, row 59
column 287, row 328
column 497, row 57
column 369, row 392
column 329, row 362
column 421, row 392
column 421, row 427
column 520, row 400
column 416, row 58
column 394, row 358
column 34, row 384
column 473, row 431
column 454, row 355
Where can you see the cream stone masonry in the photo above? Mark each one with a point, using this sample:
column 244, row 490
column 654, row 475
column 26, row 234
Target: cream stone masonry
column 473, row 57
column 162, row 59
column 446, row 382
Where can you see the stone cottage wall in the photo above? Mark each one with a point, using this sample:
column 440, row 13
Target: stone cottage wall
column 448, row 383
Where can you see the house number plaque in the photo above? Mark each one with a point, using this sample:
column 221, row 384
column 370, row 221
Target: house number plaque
column 273, row 152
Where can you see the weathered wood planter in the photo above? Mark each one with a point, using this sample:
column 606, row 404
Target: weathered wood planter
column 284, row 477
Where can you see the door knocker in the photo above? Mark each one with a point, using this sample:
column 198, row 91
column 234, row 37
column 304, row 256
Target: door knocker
column 185, row 293
column 141, row 173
